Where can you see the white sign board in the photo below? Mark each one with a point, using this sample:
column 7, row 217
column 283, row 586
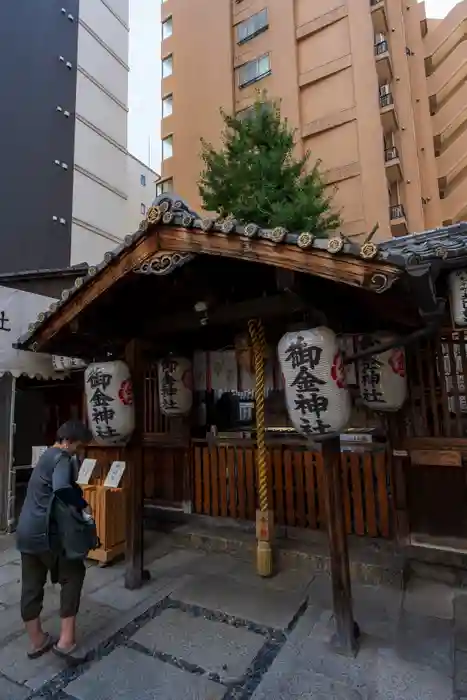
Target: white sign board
column 17, row 310
column 65, row 364
column 115, row 474
column 85, row 471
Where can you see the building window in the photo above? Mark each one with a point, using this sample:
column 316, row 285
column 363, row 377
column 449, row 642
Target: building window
column 167, row 147
column 252, row 26
column 167, row 66
column 143, row 209
column 167, row 28
column 254, row 70
column 167, row 106
column 164, row 187
column 142, row 180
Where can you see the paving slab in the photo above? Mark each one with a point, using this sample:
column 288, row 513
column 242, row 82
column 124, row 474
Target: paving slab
column 97, row 576
column 216, row 647
column 12, row 691
column 377, row 673
column 127, row 674
column 429, row 597
column 10, row 554
column 10, row 593
column 11, row 624
column 115, row 595
column 377, row 610
column 10, row 573
column 305, row 685
column 296, row 579
column 262, row 605
column 460, row 671
column 426, row 641
column 173, row 562
column 396, row 679
column 15, row 665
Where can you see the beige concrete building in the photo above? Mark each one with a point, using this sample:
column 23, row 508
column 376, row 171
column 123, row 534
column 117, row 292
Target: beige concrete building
column 111, row 188
column 374, row 89
column 141, row 191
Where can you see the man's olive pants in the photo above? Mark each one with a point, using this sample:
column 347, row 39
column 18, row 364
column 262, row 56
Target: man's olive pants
column 69, row 573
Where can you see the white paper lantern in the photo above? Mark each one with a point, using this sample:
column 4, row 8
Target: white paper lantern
column 383, row 377
column 458, row 296
column 109, row 399
column 175, row 386
column 313, row 372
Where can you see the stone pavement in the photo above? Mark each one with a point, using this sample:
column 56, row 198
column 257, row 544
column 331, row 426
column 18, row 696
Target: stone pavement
column 207, row 628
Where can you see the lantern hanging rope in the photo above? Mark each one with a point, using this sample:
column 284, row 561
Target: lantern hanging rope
column 259, row 349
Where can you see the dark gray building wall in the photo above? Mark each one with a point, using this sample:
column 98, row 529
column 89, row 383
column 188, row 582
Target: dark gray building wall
column 52, row 287
column 34, row 34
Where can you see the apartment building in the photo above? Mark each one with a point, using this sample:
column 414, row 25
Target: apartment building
column 375, row 90
column 67, row 180
column 142, row 190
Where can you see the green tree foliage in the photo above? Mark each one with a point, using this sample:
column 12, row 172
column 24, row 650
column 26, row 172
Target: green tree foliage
column 256, row 178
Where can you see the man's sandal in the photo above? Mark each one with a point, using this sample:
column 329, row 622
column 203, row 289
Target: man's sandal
column 46, row 646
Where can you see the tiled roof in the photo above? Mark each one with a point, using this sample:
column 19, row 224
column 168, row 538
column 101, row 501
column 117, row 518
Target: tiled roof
column 446, row 244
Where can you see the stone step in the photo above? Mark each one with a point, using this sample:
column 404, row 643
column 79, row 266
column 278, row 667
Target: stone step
column 372, row 562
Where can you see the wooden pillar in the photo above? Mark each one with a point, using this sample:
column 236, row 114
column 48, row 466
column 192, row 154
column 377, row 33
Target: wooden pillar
column 134, row 574
column 397, row 461
column 346, row 637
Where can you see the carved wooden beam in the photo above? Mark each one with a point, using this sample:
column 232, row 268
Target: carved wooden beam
column 114, row 272
column 375, row 276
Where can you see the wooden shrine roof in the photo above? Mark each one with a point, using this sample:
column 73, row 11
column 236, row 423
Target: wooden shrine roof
column 172, row 234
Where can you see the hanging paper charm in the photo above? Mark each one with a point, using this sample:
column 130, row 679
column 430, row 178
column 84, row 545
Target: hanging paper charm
column 383, row 377
column 175, row 386
column 109, row 399
column 313, row 372
column 458, row 296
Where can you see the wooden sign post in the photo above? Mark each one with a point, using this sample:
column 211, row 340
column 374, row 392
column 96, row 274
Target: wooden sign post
column 347, row 631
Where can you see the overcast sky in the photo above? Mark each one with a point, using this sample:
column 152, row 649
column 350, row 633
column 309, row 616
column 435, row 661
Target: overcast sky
column 145, row 77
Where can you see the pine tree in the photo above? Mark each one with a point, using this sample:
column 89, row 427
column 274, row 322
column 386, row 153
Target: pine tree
column 256, row 178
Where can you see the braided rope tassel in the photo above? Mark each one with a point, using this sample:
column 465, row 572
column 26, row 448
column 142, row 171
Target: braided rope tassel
column 256, row 330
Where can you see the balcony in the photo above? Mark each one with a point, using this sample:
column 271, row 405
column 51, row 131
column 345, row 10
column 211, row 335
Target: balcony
column 393, row 165
column 388, row 113
column 398, row 220
column 383, row 62
column 379, row 16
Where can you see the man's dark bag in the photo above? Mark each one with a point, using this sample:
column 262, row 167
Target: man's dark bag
column 77, row 535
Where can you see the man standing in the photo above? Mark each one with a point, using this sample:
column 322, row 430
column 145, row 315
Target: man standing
column 40, row 544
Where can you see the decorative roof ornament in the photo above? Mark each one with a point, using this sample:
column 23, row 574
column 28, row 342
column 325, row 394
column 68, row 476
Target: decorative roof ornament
column 153, row 215
column 278, row 234
column 369, row 250
column 188, row 220
column 228, row 225
column 207, row 224
column 250, row 230
column 168, row 217
column 336, row 244
column 305, row 240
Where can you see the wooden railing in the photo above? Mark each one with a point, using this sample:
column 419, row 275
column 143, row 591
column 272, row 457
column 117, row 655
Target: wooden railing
column 224, row 484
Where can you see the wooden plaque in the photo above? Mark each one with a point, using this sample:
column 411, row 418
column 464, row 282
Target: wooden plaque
column 436, row 458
